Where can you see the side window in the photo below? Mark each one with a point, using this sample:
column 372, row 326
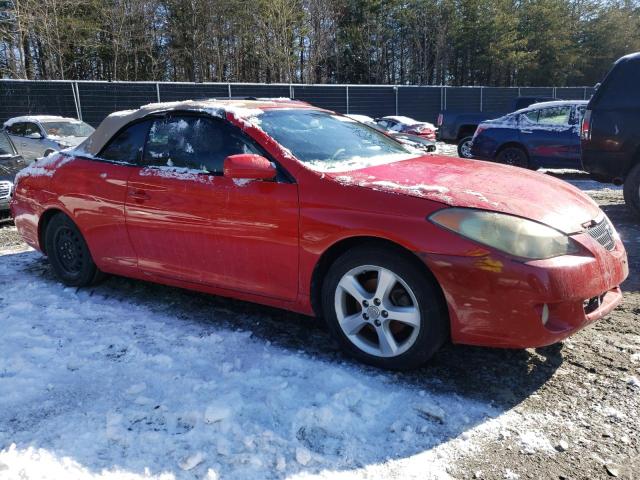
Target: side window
column 127, row 145
column 554, row 115
column 621, row 88
column 32, row 130
column 530, row 117
column 578, row 113
column 16, row 129
column 193, row 142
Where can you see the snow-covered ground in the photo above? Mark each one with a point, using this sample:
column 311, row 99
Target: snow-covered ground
column 96, row 385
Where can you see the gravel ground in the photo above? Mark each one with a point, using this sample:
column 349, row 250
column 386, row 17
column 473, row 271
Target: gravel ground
column 579, row 401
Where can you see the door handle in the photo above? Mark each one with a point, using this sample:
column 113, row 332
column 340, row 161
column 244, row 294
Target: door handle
column 23, row 144
column 139, row 195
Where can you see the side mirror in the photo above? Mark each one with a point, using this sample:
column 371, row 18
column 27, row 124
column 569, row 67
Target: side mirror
column 249, row 166
column 34, row 135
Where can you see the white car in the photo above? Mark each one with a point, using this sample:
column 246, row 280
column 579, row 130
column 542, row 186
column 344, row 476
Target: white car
column 39, row 135
column 400, row 124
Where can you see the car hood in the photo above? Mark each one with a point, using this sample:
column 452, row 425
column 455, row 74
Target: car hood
column 482, row 185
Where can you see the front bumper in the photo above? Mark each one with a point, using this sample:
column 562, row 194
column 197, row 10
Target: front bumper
column 496, row 301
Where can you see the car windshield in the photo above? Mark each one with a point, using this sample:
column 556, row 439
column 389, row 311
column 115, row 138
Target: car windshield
column 325, row 141
column 67, row 129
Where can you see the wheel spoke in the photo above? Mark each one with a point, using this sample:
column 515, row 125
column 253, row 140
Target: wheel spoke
column 351, row 285
column 407, row 315
column 352, row 324
column 387, row 343
column 386, row 281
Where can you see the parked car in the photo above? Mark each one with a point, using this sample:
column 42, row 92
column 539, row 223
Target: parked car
column 611, row 130
column 10, row 164
column 408, row 125
column 545, row 134
column 456, row 126
column 287, row 205
column 40, row 135
column 406, row 138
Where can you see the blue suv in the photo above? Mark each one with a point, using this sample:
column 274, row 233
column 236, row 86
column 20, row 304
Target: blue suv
column 544, row 134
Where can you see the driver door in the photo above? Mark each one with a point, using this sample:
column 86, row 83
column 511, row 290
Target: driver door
column 188, row 222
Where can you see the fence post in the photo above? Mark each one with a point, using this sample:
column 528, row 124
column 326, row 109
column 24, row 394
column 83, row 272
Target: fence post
column 347, row 89
column 229, row 89
column 481, row 93
column 291, row 94
column 79, row 104
column 395, row 88
column 75, row 99
column 158, row 91
column 584, row 95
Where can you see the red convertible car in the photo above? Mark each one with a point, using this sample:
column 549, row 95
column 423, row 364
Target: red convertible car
column 284, row 204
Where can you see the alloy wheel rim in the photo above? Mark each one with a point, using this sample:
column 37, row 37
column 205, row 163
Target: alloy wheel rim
column 465, row 148
column 69, row 250
column 377, row 311
column 512, row 158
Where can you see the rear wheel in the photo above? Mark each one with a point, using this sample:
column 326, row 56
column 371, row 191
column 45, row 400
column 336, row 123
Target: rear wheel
column 464, row 148
column 632, row 190
column 68, row 253
column 514, row 156
column 383, row 309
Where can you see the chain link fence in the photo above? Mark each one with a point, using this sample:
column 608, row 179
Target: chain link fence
column 93, row 101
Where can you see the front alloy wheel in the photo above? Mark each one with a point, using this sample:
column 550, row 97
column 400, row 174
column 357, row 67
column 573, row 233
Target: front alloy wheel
column 377, row 311
column 384, row 307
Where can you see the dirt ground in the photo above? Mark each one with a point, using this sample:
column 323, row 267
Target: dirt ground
column 582, row 396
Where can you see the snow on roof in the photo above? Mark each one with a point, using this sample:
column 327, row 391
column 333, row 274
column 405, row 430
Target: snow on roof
column 401, row 119
column 360, row 118
column 242, row 109
column 554, row 103
column 39, row 119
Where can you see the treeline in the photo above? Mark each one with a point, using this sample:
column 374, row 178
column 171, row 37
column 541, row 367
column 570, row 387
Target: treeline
column 452, row 42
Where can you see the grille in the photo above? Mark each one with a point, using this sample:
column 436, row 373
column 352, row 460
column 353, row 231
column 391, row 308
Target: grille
column 5, row 189
column 603, row 233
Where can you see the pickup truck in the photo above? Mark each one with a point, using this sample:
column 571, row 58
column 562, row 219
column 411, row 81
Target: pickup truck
column 454, row 126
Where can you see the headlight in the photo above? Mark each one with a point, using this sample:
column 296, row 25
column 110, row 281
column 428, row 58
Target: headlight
column 514, row 235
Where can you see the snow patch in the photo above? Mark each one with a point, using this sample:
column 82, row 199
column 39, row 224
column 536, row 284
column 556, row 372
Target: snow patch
column 43, row 167
column 176, row 173
column 191, row 398
column 533, row 442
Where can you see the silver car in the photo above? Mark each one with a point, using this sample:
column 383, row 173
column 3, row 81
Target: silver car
column 39, row 135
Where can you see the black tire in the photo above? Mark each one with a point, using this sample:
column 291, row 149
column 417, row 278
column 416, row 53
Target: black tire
column 514, row 156
column 632, row 190
column 433, row 321
column 68, row 253
column 48, row 152
column 464, row 150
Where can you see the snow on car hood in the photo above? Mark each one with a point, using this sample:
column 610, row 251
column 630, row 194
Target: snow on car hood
column 483, row 185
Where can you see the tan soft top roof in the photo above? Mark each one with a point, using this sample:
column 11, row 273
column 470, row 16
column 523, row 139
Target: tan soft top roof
column 219, row 108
